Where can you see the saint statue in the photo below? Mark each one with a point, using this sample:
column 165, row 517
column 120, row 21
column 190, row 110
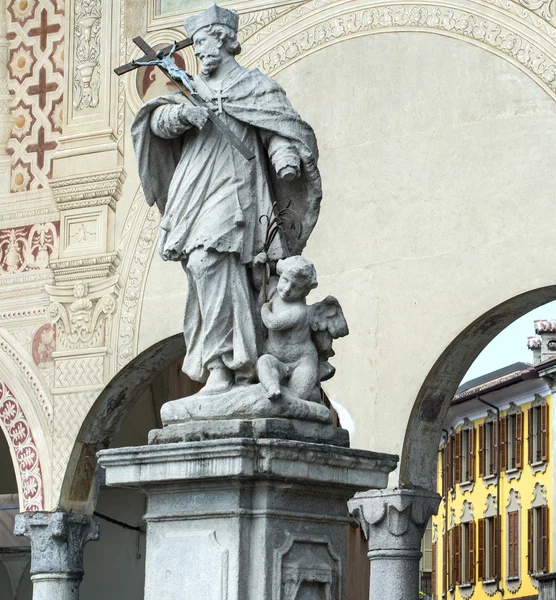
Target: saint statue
column 216, row 204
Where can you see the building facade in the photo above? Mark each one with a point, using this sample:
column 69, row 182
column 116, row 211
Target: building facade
column 494, row 533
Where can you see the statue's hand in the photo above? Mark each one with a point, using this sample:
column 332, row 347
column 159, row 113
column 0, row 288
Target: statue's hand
column 260, row 259
column 194, row 115
column 289, row 169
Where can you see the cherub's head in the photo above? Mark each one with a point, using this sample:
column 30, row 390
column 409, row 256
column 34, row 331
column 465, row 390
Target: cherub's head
column 297, row 278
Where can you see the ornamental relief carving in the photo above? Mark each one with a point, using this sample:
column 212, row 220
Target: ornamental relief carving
column 28, row 248
column 83, row 322
column 86, row 80
column 321, row 31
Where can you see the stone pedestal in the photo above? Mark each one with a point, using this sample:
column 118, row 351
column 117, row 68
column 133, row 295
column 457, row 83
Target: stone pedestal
column 246, row 518
column 57, row 544
column 394, row 522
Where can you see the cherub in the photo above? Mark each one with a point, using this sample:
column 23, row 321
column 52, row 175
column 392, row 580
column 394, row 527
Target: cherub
column 299, row 341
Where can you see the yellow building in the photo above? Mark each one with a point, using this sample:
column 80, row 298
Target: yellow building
column 493, row 532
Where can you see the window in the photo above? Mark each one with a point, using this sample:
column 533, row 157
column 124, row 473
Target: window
column 488, row 548
column 455, row 556
column 538, row 527
column 538, row 433
column 511, row 442
column 467, row 456
column 488, row 449
column 448, row 470
column 467, row 554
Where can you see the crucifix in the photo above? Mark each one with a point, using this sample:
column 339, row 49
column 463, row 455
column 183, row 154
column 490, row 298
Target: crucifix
column 164, row 61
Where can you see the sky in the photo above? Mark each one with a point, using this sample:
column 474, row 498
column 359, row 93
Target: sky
column 510, row 345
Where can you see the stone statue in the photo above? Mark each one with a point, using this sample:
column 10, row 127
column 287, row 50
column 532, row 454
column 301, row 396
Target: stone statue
column 216, row 205
column 299, row 340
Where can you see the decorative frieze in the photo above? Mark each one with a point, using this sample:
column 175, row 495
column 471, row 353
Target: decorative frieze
column 28, row 248
column 18, row 433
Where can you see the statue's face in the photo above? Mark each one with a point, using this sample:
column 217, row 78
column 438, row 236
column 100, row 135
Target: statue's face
column 210, row 51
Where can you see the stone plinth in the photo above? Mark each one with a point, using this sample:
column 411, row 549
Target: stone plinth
column 246, row 519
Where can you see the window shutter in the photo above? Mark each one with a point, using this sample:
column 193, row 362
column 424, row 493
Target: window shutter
column 471, row 455
column 496, row 570
column 457, row 555
column 481, row 450
column 544, row 432
column 449, row 459
column 445, row 563
column 530, row 423
column 445, row 470
column 513, row 541
column 450, row 561
column 470, row 577
column 503, row 443
column 494, row 450
column 530, row 547
column 519, row 440
column 544, row 532
column 457, row 458
column 481, row 548
column 433, row 571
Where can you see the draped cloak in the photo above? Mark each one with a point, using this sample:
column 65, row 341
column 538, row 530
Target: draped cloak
column 193, row 176
column 211, row 197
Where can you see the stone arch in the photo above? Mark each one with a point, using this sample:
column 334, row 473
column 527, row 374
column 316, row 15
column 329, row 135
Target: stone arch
column 419, row 451
column 106, row 417
column 517, row 35
column 25, row 418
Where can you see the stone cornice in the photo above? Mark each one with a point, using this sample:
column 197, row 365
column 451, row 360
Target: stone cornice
column 97, row 189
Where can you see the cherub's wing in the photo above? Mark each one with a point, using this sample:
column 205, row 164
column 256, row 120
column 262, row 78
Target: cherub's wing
column 328, row 316
column 327, row 323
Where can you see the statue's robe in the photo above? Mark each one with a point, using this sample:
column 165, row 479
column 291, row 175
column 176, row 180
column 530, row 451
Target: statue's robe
column 213, row 199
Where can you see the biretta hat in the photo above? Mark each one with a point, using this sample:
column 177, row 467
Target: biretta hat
column 214, row 15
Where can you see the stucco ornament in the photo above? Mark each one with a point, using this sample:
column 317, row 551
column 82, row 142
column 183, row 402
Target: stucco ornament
column 229, row 221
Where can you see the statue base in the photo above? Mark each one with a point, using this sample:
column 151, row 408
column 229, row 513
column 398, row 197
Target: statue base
column 246, row 519
column 285, row 429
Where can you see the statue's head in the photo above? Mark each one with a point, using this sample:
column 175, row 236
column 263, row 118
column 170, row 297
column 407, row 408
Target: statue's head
column 214, row 33
column 297, row 278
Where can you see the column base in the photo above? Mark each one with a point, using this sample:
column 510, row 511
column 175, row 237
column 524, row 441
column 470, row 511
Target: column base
column 244, row 518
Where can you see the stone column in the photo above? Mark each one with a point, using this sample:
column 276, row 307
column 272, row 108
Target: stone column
column 394, row 522
column 547, row 586
column 57, row 544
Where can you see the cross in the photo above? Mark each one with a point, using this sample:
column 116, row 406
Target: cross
column 43, row 29
column 42, row 88
column 181, row 80
column 41, row 147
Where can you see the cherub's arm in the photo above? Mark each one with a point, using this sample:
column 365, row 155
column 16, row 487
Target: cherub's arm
column 286, row 319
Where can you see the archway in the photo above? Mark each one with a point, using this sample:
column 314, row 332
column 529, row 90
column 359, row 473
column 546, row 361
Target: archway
column 419, row 456
column 106, row 418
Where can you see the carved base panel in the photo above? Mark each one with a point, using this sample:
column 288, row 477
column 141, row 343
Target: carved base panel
column 245, row 519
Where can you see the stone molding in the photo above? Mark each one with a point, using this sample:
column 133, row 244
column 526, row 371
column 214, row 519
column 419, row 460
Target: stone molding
column 504, row 28
column 137, row 246
column 57, row 541
column 393, row 521
column 27, row 463
column 97, row 189
column 245, row 458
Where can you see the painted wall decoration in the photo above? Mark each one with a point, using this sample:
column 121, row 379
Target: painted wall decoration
column 19, row 436
column 28, row 248
column 36, row 69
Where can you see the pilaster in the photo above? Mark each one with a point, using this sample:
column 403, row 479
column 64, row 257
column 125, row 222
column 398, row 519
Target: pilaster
column 394, row 521
column 83, row 300
column 57, row 544
column 93, row 100
column 6, row 118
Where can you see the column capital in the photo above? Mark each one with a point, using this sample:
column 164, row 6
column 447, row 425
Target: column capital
column 394, row 519
column 57, row 541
